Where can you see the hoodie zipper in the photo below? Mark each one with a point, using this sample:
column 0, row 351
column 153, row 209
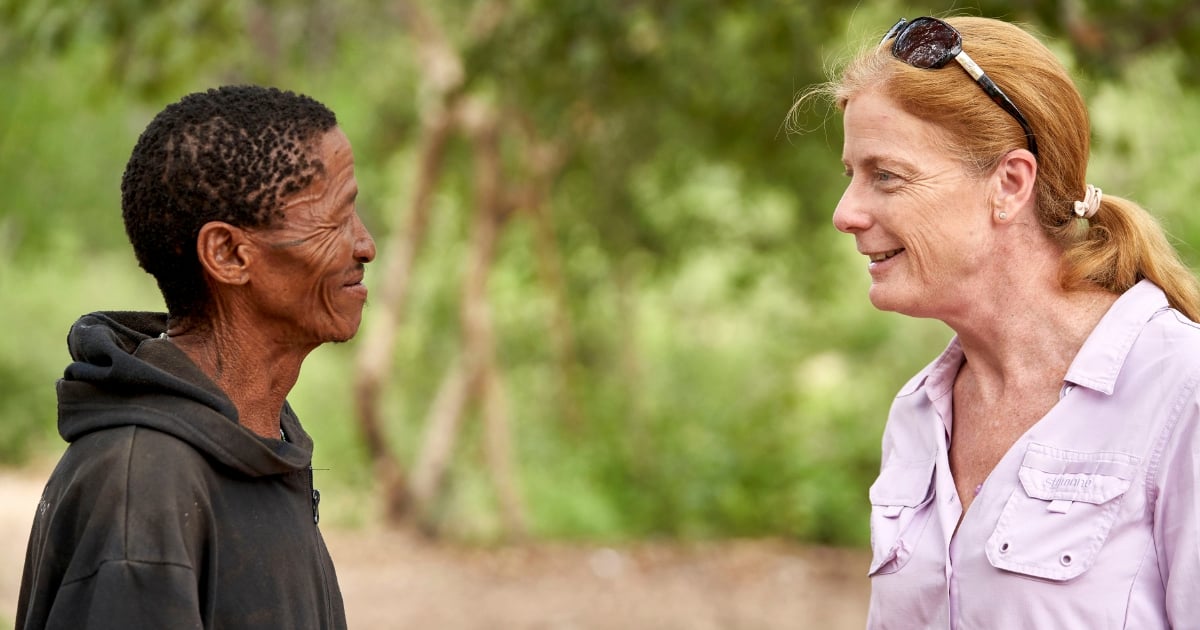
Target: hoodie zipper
column 316, row 496
column 316, row 500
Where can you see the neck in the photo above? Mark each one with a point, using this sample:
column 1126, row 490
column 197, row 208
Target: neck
column 255, row 373
column 1027, row 336
column 1019, row 329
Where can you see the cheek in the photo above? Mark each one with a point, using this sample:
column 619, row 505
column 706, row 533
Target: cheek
column 951, row 243
column 336, row 248
column 930, row 236
column 322, row 259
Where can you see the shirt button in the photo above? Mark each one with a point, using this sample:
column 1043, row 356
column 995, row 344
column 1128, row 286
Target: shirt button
column 1004, row 548
column 1065, row 559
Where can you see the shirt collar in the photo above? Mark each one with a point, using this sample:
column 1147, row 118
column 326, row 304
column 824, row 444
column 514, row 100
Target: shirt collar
column 938, row 377
column 1099, row 361
column 1095, row 366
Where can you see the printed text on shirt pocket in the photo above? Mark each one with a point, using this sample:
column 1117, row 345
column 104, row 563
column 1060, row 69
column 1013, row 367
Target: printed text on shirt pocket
column 901, row 502
column 1053, row 525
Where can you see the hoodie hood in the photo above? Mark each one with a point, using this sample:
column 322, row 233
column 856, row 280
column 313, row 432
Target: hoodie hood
column 125, row 374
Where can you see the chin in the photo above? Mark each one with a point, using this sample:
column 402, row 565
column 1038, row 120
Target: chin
column 338, row 325
column 880, row 298
column 346, row 331
column 885, row 300
column 340, row 336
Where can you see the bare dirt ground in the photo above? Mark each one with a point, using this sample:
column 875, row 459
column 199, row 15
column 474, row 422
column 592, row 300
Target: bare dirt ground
column 392, row 580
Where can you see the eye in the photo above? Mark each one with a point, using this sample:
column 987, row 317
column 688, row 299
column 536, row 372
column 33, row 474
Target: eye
column 884, row 176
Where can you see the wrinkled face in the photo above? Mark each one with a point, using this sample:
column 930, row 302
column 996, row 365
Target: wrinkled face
column 920, row 219
column 310, row 289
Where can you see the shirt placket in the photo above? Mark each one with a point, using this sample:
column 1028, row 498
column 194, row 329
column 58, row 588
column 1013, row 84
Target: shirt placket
column 949, row 508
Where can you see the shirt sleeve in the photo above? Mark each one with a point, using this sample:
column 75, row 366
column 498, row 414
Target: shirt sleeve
column 128, row 594
column 1177, row 516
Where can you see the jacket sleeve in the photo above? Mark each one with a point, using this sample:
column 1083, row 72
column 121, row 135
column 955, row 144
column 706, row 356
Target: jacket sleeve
column 128, row 594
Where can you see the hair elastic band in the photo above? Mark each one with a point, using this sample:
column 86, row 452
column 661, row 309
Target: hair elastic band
column 1090, row 203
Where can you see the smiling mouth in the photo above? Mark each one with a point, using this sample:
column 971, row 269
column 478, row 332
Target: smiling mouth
column 882, row 256
column 356, row 278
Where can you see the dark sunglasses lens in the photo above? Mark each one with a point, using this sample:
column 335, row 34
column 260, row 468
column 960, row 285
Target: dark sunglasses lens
column 927, row 43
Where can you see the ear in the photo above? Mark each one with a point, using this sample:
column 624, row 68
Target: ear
column 1015, row 180
column 224, row 251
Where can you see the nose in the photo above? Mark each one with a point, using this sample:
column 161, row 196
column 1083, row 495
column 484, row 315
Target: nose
column 364, row 245
column 850, row 215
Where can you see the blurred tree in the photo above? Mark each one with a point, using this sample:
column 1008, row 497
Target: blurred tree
column 1106, row 35
column 612, row 220
column 586, row 115
column 631, row 95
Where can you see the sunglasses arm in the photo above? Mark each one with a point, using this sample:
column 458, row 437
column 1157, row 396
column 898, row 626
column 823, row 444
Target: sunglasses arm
column 997, row 95
column 970, row 66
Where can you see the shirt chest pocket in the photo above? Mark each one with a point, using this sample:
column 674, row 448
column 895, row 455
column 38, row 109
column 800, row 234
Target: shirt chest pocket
column 1055, row 523
column 901, row 504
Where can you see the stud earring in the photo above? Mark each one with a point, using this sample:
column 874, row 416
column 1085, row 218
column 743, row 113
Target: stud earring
column 1003, row 216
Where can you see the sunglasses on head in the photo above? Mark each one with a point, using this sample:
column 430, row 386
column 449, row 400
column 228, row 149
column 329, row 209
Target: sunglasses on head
column 929, row 44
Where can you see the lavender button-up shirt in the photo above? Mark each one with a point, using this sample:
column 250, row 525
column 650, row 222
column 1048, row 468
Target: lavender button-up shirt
column 1090, row 521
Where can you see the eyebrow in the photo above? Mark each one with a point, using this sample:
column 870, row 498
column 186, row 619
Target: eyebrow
column 880, row 161
column 347, row 200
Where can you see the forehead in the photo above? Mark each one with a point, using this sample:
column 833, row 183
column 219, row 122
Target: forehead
column 334, row 184
column 332, row 153
column 877, row 127
column 334, row 144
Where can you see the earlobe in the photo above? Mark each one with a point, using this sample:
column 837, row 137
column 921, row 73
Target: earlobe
column 1016, row 179
column 223, row 250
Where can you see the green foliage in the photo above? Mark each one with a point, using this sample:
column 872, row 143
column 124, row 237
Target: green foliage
column 731, row 376
column 42, row 299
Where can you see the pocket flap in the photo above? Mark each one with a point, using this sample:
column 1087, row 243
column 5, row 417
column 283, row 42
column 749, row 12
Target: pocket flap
column 902, row 483
column 1053, row 474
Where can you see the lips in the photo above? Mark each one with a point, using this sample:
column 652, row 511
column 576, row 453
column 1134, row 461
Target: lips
column 354, row 285
column 355, row 278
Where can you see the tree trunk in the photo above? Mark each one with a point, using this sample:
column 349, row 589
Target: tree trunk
column 375, row 356
column 441, row 433
column 480, row 345
column 442, row 70
column 544, row 161
column 631, row 365
column 474, row 375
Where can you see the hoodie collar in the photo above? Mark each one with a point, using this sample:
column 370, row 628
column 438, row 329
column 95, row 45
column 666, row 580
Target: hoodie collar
column 124, row 374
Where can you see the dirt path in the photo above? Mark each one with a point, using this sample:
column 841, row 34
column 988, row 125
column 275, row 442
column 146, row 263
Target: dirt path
column 392, row 581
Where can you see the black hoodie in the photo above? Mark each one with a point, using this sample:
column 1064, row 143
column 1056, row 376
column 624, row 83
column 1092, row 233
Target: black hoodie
column 164, row 512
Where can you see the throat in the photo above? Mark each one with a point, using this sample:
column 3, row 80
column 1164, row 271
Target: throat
column 984, row 430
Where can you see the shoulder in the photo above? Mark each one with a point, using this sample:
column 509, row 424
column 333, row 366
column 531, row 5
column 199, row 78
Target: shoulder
column 1141, row 348
column 124, row 478
column 126, row 494
column 1173, row 327
column 118, row 456
column 1142, row 323
column 1168, row 344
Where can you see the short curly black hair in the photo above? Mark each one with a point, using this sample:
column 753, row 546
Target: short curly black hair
column 231, row 154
